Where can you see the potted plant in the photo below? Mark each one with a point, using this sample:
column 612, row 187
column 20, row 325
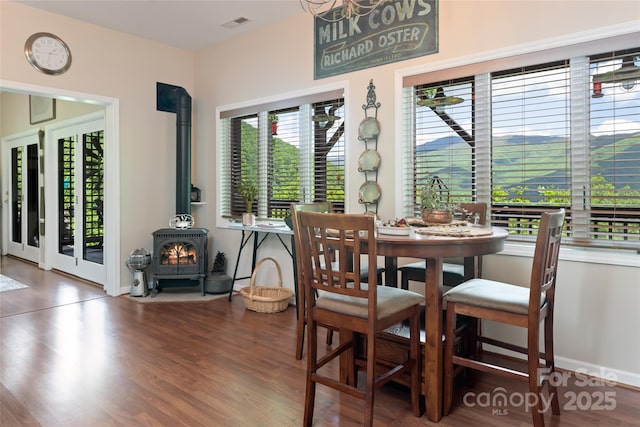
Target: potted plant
column 248, row 192
column 434, row 202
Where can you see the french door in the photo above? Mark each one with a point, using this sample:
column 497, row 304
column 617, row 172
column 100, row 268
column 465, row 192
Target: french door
column 77, row 194
column 21, row 195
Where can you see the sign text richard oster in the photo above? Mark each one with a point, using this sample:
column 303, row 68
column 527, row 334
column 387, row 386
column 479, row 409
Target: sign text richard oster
column 396, row 30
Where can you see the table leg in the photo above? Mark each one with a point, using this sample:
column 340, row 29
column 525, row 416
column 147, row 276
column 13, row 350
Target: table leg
column 470, row 268
column 391, row 271
column 243, row 243
column 433, row 363
column 296, row 286
column 256, row 244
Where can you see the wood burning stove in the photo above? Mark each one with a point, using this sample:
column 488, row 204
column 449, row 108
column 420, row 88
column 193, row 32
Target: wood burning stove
column 180, row 255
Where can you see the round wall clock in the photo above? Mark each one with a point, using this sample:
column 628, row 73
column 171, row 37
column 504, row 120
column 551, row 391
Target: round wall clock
column 48, row 53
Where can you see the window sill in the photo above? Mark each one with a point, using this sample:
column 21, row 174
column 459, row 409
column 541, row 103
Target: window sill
column 592, row 256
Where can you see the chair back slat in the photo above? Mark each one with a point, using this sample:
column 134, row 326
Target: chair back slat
column 324, row 207
column 545, row 259
column 479, row 208
column 321, row 234
column 311, row 207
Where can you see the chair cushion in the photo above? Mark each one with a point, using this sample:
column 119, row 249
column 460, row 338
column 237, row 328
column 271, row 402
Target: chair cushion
column 390, row 300
column 491, row 294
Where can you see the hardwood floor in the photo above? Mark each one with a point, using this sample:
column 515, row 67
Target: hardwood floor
column 72, row 356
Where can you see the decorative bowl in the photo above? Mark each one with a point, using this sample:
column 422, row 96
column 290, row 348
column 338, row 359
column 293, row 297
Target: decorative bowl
column 436, row 216
column 181, row 222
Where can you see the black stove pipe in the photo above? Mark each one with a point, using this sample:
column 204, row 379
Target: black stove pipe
column 175, row 99
column 183, row 153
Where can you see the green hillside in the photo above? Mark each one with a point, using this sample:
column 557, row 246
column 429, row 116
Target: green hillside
column 285, row 169
column 539, row 173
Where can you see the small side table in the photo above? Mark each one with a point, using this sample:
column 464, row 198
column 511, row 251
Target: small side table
column 253, row 233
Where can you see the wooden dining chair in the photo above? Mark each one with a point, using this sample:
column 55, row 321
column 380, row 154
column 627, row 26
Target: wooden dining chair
column 452, row 270
column 324, row 207
column 513, row 305
column 301, row 321
column 336, row 296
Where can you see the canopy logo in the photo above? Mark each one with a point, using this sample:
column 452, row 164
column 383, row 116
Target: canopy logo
column 594, row 393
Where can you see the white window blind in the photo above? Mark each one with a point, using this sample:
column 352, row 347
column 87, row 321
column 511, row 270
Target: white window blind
column 328, row 152
column 538, row 137
column 614, row 148
column 285, row 160
column 291, row 154
column 442, row 141
column 531, row 165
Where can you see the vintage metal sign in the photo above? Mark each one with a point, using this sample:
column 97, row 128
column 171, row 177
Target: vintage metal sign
column 396, row 30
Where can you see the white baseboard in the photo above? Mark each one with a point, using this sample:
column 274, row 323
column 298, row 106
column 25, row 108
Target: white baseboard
column 610, row 375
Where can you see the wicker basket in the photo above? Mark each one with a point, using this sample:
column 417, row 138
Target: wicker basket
column 266, row 299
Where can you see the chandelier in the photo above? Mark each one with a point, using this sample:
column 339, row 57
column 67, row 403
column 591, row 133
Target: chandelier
column 345, row 8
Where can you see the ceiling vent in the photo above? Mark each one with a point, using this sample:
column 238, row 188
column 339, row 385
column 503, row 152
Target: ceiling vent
column 236, row 22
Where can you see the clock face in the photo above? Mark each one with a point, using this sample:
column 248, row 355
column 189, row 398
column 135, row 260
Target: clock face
column 47, row 53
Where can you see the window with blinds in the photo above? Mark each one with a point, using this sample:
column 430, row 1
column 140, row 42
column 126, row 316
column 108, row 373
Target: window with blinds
column 291, row 151
column 443, row 140
column 530, row 157
column 531, row 138
column 613, row 191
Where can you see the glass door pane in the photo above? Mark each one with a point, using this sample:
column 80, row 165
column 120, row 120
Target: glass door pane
column 66, row 195
column 93, row 171
column 31, row 195
column 16, row 194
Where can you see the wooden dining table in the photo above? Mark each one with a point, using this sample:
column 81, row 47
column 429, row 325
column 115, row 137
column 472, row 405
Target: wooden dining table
column 433, row 249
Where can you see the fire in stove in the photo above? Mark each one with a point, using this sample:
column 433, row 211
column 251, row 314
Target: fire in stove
column 178, row 254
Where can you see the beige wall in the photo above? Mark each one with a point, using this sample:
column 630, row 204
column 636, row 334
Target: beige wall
column 14, row 112
column 594, row 312
column 113, row 65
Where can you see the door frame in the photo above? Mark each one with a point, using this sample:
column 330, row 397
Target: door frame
column 112, row 285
